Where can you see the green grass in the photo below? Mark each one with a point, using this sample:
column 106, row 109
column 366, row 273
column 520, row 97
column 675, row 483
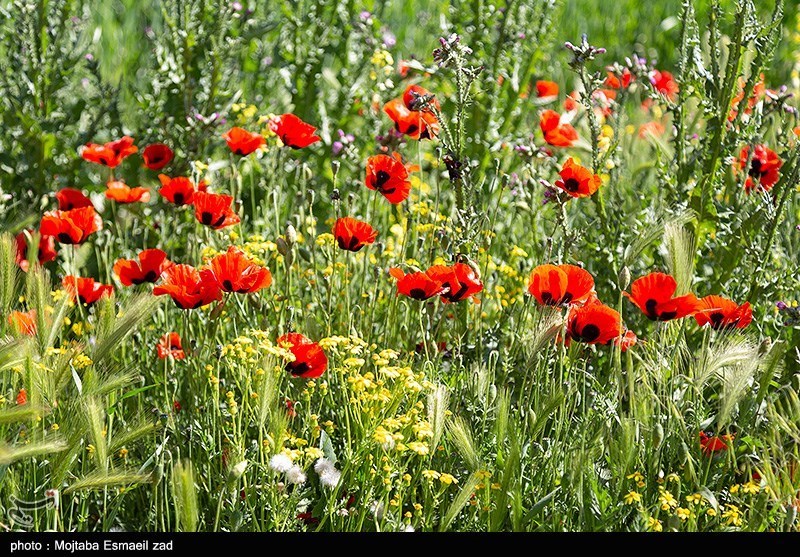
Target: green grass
column 471, row 416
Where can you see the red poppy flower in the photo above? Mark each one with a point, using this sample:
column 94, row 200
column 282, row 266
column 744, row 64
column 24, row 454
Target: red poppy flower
column 353, row 234
column 179, row 190
column 546, row 89
column 555, row 132
column 389, row 177
column 308, row 519
column 593, row 324
column 414, row 124
column 243, row 142
column 710, row 443
column 622, row 81
column 310, row 360
column 577, row 181
column 764, row 167
column 22, row 396
column 626, row 341
column 86, row 290
column 460, row 281
column 759, row 90
column 157, row 155
column 570, row 104
column 185, row 285
column 559, row 285
column 110, row 154
column 722, row 313
column 70, row 198
column 653, row 294
column 290, row 411
column 232, row 271
column 651, row 129
column 23, row 322
column 122, row 193
column 413, row 95
column 170, row 345
column 46, row 251
column 176, row 406
column 71, row 227
column 151, row 263
column 214, row 210
column 665, row 84
column 418, row 286
column 292, row 131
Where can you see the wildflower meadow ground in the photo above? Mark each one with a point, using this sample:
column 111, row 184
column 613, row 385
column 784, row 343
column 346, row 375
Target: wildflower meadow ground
column 314, row 265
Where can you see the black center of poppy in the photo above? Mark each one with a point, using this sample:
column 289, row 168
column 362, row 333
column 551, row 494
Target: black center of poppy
column 219, row 221
column 381, row 178
column 178, row 198
column 547, row 299
column 418, row 294
column 227, row 285
column 104, row 161
column 571, row 184
column 82, row 300
column 64, row 238
column 667, row 315
column 353, row 246
column 716, row 318
column 137, row 281
column 411, row 130
column 755, row 169
column 206, row 218
column 297, row 368
column 589, row 333
column 151, row 276
column 650, row 309
column 567, row 298
column 457, row 295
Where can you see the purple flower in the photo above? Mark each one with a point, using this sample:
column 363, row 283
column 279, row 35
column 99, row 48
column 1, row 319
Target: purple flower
column 781, row 306
column 388, row 38
column 236, row 6
column 364, row 16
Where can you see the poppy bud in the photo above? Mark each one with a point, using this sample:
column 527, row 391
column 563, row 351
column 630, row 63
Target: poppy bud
column 335, row 196
column 289, row 258
column 217, row 311
column 765, row 346
column 624, row 278
column 236, row 471
column 283, row 246
column 291, row 234
column 311, row 196
column 791, row 516
column 658, row 435
column 158, row 473
column 304, row 253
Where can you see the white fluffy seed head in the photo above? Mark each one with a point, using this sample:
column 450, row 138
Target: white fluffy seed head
column 330, row 478
column 323, row 465
column 295, row 475
column 280, row 463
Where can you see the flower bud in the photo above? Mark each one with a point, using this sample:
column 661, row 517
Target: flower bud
column 283, row 246
column 624, row 279
column 291, row 234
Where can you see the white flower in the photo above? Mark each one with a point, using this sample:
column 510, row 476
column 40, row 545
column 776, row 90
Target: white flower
column 323, row 465
column 295, row 475
column 407, row 528
column 343, row 512
column 330, row 478
column 280, row 463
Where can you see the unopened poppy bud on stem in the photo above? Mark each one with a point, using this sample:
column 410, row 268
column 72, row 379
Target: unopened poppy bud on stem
column 291, row 234
column 624, row 278
column 282, row 245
